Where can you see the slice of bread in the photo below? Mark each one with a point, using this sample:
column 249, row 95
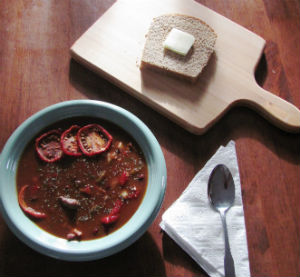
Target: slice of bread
column 188, row 67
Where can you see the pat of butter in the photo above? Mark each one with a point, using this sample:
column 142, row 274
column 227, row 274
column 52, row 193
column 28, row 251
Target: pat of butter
column 179, row 42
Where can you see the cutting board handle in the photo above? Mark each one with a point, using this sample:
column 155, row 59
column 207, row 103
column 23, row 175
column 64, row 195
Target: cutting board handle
column 277, row 110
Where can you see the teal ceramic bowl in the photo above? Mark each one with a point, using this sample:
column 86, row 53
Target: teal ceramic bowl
column 55, row 247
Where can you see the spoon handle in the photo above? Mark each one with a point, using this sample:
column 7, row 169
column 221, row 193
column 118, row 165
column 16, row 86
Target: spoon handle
column 228, row 260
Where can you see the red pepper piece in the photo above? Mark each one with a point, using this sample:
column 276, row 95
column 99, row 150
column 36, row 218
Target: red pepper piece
column 69, row 142
column 93, row 139
column 109, row 219
column 28, row 210
column 123, row 178
column 48, row 146
column 117, row 207
column 69, row 203
column 113, row 216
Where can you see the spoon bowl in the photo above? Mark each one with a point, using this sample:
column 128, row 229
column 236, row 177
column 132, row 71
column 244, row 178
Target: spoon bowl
column 221, row 189
column 221, row 194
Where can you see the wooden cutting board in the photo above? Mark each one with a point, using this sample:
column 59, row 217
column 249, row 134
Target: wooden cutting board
column 113, row 46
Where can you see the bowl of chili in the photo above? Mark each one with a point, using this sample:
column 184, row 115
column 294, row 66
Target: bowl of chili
column 81, row 151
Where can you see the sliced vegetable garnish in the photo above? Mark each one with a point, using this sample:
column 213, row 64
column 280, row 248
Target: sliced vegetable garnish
column 48, row 146
column 93, row 139
column 28, row 210
column 69, row 142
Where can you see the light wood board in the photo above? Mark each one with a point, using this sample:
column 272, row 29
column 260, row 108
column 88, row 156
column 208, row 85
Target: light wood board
column 112, row 47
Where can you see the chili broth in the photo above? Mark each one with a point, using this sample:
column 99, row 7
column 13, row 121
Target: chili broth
column 84, row 197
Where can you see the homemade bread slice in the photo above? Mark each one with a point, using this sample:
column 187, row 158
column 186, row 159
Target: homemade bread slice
column 188, row 67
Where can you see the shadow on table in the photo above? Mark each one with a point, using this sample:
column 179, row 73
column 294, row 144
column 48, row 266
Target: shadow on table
column 140, row 259
column 174, row 254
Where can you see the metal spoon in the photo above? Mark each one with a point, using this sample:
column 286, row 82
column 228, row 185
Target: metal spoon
column 221, row 193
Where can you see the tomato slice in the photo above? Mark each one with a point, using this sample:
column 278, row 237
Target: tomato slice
column 28, row 210
column 48, row 146
column 93, row 139
column 69, row 142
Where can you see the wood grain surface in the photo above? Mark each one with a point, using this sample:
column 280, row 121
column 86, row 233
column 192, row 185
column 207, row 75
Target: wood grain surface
column 36, row 70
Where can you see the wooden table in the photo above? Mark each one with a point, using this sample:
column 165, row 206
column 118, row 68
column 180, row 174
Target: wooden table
column 36, row 70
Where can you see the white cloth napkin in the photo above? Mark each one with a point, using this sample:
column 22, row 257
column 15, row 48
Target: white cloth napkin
column 197, row 227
